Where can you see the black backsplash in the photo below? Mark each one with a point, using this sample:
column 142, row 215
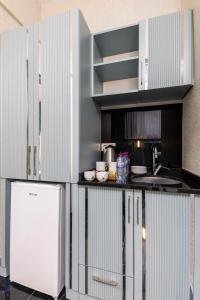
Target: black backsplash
column 160, row 126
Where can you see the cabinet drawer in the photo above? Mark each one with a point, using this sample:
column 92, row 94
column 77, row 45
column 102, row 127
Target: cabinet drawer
column 105, row 285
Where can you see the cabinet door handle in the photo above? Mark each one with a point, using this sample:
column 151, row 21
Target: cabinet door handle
column 29, row 160
column 34, row 161
column 129, row 209
column 105, row 281
column 138, row 221
column 141, row 73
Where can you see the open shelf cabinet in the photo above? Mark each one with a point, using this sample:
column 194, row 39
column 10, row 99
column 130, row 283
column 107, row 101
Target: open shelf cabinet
column 115, row 61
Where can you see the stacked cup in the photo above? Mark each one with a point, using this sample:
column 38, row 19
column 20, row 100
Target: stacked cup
column 101, row 173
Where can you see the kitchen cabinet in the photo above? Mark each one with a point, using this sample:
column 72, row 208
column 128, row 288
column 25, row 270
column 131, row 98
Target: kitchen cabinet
column 197, row 249
column 14, row 103
column 46, row 112
column 110, row 243
column 148, row 62
column 167, row 247
column 166, row 51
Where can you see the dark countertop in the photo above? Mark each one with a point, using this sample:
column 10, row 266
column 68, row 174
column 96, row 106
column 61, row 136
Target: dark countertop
column 190, row 183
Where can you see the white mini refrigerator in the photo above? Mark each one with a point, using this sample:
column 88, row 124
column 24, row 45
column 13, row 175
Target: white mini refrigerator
column 37, row 236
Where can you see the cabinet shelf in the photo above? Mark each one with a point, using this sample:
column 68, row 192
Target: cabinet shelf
column 117, row 41
column 135, row 97
column 117, row 70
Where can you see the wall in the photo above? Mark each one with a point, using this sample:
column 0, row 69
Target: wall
column 26, row 11
column 6, row 22
column 191, row 106
column 105, row 14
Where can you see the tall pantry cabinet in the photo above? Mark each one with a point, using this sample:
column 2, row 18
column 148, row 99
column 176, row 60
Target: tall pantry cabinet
column 50, row 127
column 46, row 110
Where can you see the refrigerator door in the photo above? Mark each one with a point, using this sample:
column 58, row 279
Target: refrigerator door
column 37, row 246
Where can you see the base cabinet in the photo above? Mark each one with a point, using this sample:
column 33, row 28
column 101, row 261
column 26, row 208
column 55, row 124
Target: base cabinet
column 109, row 233
column 167, row 248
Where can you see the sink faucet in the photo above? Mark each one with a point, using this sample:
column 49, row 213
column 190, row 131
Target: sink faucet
column 155, row 172
column 155, row 154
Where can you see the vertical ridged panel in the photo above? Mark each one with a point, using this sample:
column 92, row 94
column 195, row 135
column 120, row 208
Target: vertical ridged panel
column 89, row 136
column 197, row 250
column 164, row 51
column 167, row 246
column 105, row 229
column 55, row 105
column 14, row 104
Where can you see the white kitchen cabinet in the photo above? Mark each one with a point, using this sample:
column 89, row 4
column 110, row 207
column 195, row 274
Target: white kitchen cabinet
column 197, row 250
column 14, row 103
column 166, row 51
column 148, row 62
column 167, row 246
column 110, row 236
column 46, row 110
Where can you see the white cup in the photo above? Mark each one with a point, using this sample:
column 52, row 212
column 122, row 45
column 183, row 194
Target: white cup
column 101, row 166
column 113, row 166
column 102, row 176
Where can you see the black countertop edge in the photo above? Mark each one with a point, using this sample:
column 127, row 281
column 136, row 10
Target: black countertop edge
column 190, row 183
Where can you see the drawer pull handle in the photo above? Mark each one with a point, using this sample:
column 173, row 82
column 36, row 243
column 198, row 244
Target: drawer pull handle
column 104, row 281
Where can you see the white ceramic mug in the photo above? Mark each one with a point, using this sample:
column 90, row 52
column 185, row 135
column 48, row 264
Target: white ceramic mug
column 101, row 166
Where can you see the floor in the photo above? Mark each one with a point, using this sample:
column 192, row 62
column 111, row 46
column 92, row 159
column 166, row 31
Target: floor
column 13, row 291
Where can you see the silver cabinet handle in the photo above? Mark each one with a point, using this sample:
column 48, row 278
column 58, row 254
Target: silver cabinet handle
column 105, row 281
column 141, row 74
column 129, row 209
column 138, row 221
column 34, row 161
column 29, row 160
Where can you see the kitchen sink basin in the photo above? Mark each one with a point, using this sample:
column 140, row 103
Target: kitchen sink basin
column 156, row 180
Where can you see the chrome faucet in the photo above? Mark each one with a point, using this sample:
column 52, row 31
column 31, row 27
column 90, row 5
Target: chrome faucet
column 155, row 154
column 158, row 168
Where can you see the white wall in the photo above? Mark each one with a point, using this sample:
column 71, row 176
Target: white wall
column 191, row 107
column 105, row 14
column 26, row 11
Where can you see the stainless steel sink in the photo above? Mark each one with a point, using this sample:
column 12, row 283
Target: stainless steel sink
column 156, row 180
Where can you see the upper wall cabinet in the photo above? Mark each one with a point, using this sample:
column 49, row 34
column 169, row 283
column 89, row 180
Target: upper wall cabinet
column 46, row 109
column 166, row 51
column 150, row 61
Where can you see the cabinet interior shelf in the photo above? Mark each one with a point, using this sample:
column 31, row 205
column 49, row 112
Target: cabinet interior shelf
column 118, row 41
column 117, row 70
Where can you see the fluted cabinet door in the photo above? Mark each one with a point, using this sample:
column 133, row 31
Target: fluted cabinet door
column 54, row 132
column 167, row 246
column 166, row 51
column 14, row 104
column 105, row 224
